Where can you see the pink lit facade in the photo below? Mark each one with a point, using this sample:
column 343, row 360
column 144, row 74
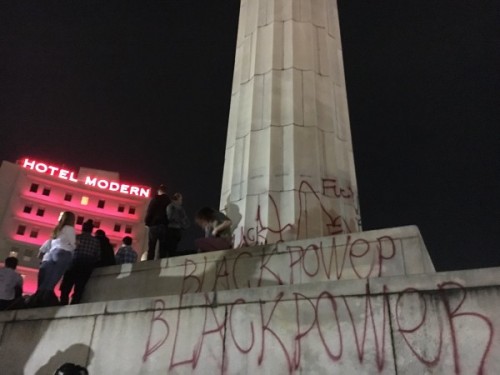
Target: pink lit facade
column 34, row 193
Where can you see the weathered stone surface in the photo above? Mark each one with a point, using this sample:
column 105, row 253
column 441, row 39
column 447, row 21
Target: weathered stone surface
column 289, row 165
column 447, row 323
column 388, row 252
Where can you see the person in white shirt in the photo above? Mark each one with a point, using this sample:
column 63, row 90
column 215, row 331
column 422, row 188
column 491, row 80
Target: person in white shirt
column 11, row 283
column 57, row 253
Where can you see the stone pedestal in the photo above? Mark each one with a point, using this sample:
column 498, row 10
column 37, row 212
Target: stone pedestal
column 289, row 168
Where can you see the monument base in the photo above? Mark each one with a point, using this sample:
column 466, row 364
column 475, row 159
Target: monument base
column 364, row 303
column 385, row 252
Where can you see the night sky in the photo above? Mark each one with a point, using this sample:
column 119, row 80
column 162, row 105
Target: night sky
column 143, row 88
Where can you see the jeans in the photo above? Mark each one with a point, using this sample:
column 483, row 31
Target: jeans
column 157, row 233
column 51, row 271
column 77, row 275
column 174, row 236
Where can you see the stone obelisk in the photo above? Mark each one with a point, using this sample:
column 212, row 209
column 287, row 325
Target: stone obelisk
column 289, row 167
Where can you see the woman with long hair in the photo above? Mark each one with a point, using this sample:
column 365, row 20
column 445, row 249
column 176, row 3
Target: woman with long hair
column 57, row 252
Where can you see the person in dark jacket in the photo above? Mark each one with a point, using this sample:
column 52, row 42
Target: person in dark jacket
column 177, row 223
column 107, row 252
column 157, row 222
column 85, row 258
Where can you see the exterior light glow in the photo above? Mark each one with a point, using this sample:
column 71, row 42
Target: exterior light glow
column 97, row 182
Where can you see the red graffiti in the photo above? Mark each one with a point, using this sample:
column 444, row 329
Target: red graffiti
column 258, row 234
column 343, row 328
column 261, row 233
column 335, row 224
column 432, row 359
column 158, row 307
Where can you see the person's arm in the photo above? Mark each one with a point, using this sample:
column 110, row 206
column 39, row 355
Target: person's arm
column 149, row 213
column 220, row 227
column 18, row 289
column 68, row 236
column 185, row 223
column 44, row 248
column 171, row 213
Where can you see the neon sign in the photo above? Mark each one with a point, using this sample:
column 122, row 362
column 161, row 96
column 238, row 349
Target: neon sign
column 96, row 182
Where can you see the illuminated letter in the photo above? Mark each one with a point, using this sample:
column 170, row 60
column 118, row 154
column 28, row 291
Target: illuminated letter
column 53, row 170
column 63, row 173
column 28, row 164
column 124, row 189
column 114, row 186
column 134, row 190
column 103, row 184
column 40, row 167
column 72, row 177
column 90, row 181
column 144, row 192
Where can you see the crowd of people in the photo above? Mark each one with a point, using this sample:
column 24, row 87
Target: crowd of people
column 70, row 259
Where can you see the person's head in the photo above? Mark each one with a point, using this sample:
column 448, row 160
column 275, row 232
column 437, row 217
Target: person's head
column 127, row 240
column 162, row 189
column 65, row 218
column 177, row 198
column 204, row 216
column 11, row 262
column 100, row 233
column 71, row 369
column 88, row 226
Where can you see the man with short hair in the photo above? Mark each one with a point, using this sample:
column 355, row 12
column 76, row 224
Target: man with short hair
column 126, row 254
column 85, row 258
column 157, row 222
column 11, row 283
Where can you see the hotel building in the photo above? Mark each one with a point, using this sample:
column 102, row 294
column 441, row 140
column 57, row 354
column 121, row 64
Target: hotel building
column 34, row 193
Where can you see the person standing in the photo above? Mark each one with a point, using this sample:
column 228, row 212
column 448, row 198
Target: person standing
column 11, row 283
column 177, row 223
column 107, row 252
column 85, row 258
column 157, row 222
column 217, row 227
column 57, row 253
column 126, row 254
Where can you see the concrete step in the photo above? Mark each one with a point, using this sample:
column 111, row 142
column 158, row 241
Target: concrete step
column 386, row 252
column 441, row 323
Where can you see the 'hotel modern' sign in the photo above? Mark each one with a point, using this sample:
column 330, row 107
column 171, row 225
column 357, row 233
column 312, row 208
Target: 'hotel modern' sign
column 97, row 182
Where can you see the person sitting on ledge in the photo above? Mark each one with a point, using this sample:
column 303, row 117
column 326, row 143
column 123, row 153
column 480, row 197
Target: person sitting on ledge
column 11, row 283
column 107, row 252
column 126, row 254
column 217, row 227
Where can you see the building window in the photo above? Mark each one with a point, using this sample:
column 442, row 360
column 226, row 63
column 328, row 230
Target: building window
column 121, row 208
column 97, row 224
column 128, row 229
column 21, row 229
column 34, row 233
column 131, row 210
column 117, row 227
column 68, row 197
column 101, row 203
column 46, row 191
column 34, row 188
column 28, row 253
column 27, row 209
column 79, row 220
column 84, row 201
column 40, row 212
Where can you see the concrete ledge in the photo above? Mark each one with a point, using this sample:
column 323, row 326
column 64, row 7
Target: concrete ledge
column 446, row 321
column 386, row 252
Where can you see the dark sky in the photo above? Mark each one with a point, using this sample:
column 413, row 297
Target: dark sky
column 143, row 88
